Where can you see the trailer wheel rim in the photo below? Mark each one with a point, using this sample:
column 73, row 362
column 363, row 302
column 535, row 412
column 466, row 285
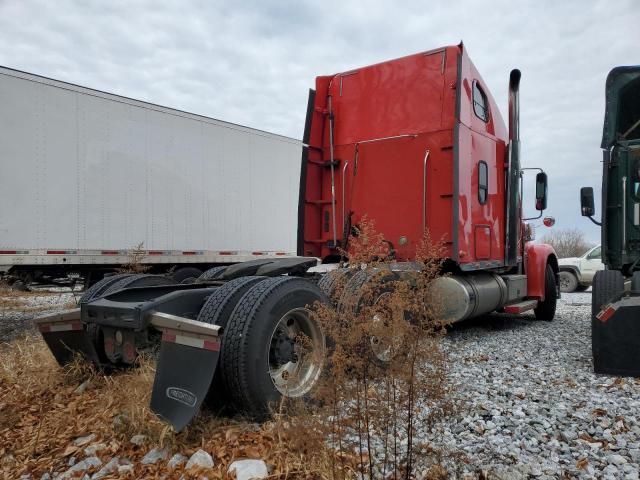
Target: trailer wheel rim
column 296, row 353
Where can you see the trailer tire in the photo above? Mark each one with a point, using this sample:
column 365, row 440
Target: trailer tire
column 332, row 283
column 186, row 273
column 139, row 280
column 546, row 309
column 568, row 281
column 249, row 345
column 98, row 288
column 212, row 274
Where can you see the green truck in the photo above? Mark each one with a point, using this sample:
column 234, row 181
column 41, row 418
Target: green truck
column 616, row 290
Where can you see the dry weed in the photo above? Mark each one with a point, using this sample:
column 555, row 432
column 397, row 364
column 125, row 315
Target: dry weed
column 134, row 264
column 385, row 388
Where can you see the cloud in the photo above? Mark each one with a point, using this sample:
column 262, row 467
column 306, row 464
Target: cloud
column 252, row 62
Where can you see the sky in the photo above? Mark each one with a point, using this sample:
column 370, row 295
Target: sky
column 252, row 62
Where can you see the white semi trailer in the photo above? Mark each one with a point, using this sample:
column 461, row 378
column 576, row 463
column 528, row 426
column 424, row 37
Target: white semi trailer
column 85, row 176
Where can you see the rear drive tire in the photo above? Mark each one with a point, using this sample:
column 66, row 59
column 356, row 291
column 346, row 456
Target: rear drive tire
column 212, row 273
column 258, row 347
column 568, row 282
column 92, row 293
column 357, row 295
column 216, row 311
column 98, row 288
column 219, row 306
column 546, row 309
column 139, row 280
column 332, row 283
column 115, row 283
column 186, row 273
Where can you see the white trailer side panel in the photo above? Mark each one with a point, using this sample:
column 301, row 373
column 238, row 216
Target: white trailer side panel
column 86, row 170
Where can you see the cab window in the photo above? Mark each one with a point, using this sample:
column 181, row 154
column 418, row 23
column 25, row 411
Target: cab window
column 480, row 104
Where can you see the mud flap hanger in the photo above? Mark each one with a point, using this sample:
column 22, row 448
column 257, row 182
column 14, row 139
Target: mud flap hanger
column 186, row 365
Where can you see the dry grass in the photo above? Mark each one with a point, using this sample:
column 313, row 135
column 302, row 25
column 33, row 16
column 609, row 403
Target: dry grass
column 41, row 416
column 359, row 404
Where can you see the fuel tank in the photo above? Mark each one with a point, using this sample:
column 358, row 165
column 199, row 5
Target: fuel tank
column 459, row 297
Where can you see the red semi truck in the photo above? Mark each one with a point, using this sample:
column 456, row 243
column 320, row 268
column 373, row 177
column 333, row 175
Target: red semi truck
column 416, row 144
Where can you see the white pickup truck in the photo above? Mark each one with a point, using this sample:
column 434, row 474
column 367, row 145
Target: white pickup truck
column 576, row 273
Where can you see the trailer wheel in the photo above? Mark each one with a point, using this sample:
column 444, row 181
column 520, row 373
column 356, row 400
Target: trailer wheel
column 331, row 282
column 186, row 273
column 262, row 359
column 212, row 274
column 568, row 282
column 546, row 309
column 100, row 286
column 139, row 280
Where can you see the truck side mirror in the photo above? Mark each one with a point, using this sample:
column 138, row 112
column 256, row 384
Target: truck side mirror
column 586, row 202
column 541, row 191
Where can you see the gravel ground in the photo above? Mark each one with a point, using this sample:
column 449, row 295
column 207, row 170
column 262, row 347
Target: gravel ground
column 16, row 320
column 531, row 406
column 534, row 407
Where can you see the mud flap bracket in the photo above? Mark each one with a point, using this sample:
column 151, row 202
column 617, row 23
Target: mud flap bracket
column 186, row 364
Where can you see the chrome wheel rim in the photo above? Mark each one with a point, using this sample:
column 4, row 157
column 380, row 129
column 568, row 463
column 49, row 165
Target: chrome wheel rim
column 382, row 350
column 297, row 351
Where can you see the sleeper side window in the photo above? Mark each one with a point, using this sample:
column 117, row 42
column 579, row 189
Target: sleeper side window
column 483, row 182
column 480, row 104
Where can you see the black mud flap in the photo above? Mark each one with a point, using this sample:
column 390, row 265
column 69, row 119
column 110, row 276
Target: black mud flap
column 187, row 362
column 616, row 338
column 65, row 335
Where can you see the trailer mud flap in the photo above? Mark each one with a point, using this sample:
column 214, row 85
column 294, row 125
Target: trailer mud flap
column 186, row 364
column 65, row 335
column 616, row 338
